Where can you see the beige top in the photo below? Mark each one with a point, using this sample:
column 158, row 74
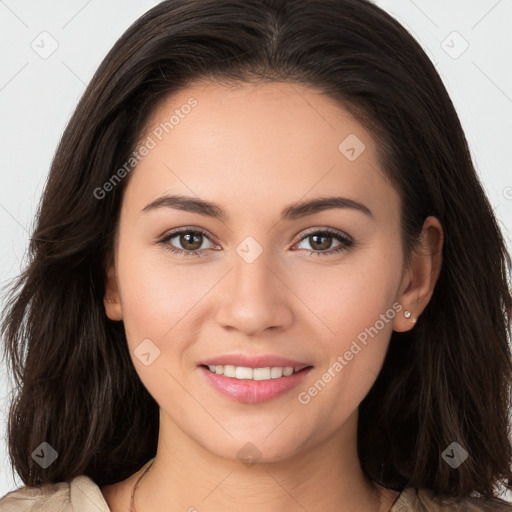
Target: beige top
column 81, row 494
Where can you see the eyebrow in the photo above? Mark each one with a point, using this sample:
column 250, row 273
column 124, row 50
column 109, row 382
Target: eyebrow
column 292, row 212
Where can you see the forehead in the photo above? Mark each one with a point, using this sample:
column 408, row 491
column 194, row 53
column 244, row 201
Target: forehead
column 261, row 142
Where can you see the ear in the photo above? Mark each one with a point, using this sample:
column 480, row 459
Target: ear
column 420, row 278
column 112, row 300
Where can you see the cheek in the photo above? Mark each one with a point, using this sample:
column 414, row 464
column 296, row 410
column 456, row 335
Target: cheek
column 345, row 299
column 154, row 295
column 355, row 306
column 160, row 303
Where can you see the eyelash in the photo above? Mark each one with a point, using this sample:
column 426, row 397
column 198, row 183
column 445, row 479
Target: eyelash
column 345, row 242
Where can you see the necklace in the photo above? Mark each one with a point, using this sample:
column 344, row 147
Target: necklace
column 132, row 501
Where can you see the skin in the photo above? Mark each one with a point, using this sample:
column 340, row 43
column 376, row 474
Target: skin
column 254, row 150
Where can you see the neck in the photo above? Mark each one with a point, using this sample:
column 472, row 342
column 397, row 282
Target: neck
column 328, row 476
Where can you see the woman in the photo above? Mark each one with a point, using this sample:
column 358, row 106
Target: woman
column 264, row 274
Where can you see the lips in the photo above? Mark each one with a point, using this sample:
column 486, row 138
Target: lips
column 257, row 361
column 253, row 391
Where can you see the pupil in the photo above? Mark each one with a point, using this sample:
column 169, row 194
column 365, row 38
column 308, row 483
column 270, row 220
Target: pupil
column 324, row 245
column 188, row 237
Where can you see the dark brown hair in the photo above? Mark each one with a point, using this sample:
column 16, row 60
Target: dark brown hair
column 447, row 380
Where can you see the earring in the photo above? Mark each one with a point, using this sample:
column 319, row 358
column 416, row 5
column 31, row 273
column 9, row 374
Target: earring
column 407, row 314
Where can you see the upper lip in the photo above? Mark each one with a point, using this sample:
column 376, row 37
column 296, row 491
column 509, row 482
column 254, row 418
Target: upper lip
column 256, row 361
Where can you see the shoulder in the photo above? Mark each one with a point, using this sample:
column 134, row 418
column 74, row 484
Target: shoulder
column 412, row 499
column 78, row 495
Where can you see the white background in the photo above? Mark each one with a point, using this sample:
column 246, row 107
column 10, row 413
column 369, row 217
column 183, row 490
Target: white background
column 38, row 95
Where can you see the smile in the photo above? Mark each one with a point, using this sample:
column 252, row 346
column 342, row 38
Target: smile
column 253, row 385
column 245, row 373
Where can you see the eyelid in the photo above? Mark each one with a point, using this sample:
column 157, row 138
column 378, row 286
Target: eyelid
column 331, row 231
column 345, row 240
column 177, row 231
column 183, row 253
column 297, row 238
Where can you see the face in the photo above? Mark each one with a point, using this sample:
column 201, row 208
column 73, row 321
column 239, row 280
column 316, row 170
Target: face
column 322, row 287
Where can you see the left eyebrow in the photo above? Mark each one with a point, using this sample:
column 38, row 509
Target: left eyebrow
column 299, row 210
column 292, row 212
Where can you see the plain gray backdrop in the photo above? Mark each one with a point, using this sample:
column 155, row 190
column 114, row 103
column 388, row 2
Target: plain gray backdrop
column 51, row 50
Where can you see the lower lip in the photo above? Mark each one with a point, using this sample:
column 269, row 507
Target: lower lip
column 253, row 391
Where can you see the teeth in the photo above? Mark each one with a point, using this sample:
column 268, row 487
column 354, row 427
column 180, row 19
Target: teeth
column 244, row 373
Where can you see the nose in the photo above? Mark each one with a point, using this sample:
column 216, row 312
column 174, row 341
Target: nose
column 256, row 297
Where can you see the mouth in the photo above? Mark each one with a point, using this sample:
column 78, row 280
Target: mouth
column 253, row 379
column 259, row 374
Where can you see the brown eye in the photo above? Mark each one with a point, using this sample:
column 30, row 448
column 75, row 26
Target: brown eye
column 186, row 242
column 191, row 240
column 321, row 241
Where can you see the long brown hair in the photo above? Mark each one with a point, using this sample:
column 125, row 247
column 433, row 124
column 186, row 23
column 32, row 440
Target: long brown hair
column 447, row 380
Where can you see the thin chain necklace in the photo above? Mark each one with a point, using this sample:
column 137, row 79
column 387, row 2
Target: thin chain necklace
column 132, row 501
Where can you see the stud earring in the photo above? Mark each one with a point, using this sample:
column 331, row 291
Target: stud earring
column 407, row 314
